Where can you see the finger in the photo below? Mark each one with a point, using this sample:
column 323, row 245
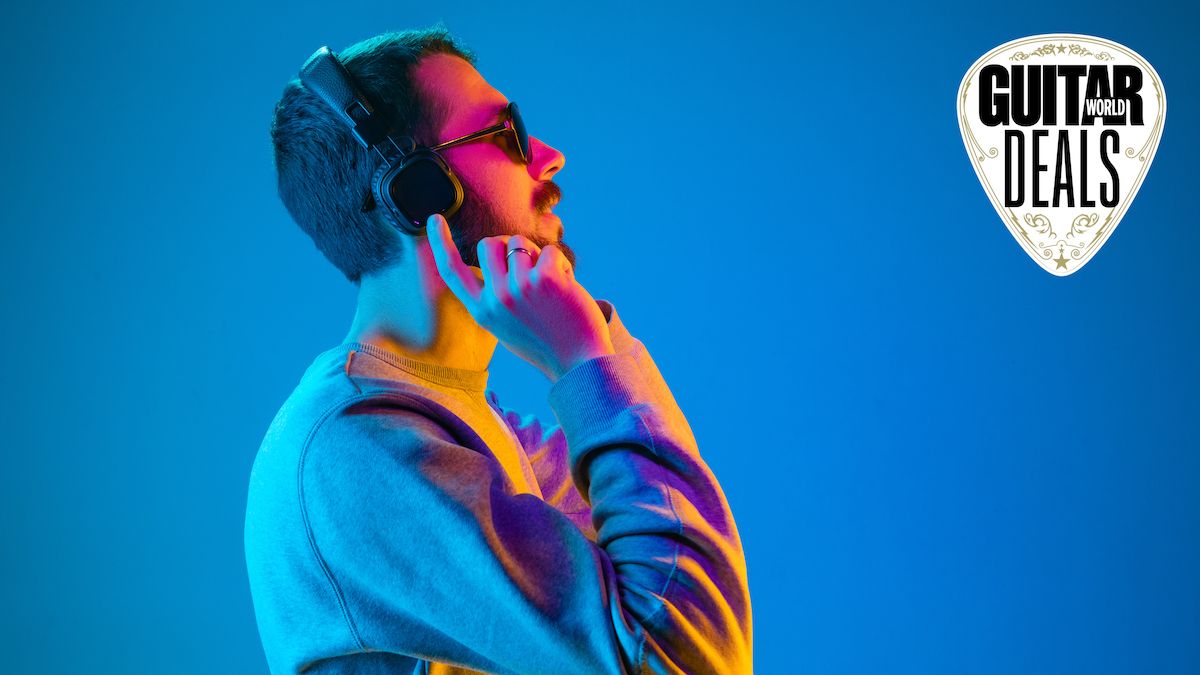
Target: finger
column 552, row 261
column 519, row 264
column 491, row 261
column 457, row 275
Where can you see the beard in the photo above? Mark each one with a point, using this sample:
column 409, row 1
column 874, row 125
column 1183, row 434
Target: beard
column 478, row 219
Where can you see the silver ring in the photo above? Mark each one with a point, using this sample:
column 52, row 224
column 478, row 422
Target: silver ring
column 518, row 250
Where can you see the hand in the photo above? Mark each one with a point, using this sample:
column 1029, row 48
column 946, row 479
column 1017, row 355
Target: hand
column 536, row 310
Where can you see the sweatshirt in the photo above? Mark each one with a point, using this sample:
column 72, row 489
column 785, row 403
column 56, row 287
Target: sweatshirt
column 400, row 520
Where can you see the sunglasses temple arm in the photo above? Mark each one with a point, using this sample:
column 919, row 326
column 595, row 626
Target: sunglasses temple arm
column 495, row 129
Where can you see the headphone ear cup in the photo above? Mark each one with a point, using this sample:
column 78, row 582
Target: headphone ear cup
column 416, row 187
column 390, row 213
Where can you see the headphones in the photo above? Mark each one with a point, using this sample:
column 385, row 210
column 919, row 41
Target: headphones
column 411, row 183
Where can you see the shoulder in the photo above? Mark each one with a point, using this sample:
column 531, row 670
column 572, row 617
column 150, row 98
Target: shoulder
column 330, row 411
column 367, row 426
column 378, row 463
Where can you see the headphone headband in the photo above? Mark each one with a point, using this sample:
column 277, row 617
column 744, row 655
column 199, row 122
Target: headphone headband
column 410, row 183
column 329, row 79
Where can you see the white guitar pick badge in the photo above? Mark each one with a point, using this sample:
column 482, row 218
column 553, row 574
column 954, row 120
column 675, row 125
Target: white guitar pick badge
column 1061, row 130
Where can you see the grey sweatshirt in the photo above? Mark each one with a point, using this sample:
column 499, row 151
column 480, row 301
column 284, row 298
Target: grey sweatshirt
column 400, row 520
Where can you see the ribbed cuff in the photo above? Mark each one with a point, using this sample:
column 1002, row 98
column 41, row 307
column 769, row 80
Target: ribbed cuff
column 587, row 398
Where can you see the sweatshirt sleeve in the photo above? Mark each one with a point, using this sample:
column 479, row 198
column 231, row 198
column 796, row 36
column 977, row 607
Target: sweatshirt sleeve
column 429, row 553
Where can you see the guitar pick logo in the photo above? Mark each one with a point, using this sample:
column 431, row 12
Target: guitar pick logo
column 1061, row 130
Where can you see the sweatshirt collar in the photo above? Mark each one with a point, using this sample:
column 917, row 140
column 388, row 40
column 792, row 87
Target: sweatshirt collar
column 471, row 380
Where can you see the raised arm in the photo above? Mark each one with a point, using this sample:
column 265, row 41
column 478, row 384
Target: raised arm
column 521, row 588
column 430, row 555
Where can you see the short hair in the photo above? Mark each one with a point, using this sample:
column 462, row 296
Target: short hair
column 324, row 174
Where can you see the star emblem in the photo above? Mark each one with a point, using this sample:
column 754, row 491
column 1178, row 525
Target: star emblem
column 1061, row 48
column 1062, row 261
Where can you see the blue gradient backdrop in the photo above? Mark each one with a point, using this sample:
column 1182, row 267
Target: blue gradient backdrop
column 952, row 462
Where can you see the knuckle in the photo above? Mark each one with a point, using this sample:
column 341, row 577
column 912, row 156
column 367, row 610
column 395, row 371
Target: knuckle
column 555, row 279
column 550, row 281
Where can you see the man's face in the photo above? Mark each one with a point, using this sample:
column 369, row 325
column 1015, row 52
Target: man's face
column 501, row 195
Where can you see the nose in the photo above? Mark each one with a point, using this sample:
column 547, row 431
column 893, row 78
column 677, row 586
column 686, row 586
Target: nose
column 544, row 161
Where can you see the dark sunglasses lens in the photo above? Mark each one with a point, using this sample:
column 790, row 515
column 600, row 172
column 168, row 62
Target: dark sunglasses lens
column 522, row 135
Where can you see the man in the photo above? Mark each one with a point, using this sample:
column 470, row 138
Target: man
column 400, row 520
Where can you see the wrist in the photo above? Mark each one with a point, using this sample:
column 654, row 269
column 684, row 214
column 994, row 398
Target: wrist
column 601, row 348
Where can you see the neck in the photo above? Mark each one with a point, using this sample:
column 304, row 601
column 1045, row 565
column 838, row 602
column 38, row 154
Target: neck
column 408, row 310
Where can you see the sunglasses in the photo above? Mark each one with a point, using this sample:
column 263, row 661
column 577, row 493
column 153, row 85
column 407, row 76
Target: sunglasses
column 512, row 122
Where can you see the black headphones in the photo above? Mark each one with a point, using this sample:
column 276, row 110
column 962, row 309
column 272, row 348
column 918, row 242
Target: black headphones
column 411, row 183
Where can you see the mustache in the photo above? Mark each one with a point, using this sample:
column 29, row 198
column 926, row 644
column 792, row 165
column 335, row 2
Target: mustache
column 547, row 195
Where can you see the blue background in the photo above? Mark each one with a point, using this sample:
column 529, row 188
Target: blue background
column 941, row 458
